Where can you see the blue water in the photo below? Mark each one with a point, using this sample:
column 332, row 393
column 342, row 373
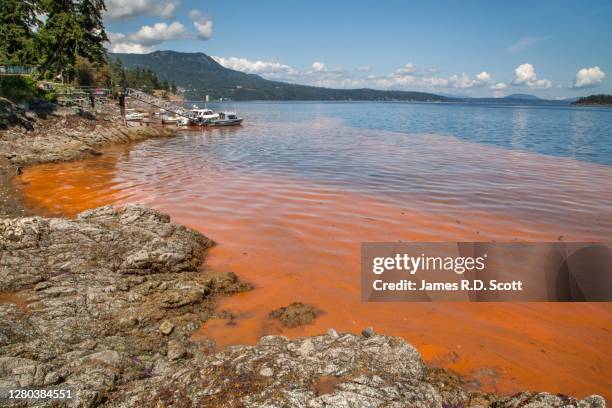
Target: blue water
column 582, row 133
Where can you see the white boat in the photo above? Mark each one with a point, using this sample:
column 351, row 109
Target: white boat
column 206, row 117
column 203, row 116
column 226, row 119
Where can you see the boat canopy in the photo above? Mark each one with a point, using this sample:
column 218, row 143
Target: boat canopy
column 203, row 111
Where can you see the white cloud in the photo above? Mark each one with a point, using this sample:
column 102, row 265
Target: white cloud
column 407, row 69
column 364, row 68
column 589, row 77
column 120, row 43
column 202, row 24
column 144, row 40
column 407, row 77
column 126, row 9
column 499, row 86
column 131, row 48
column 525, row 43
column 483, row 77
column 269, row 69
column 525, row 75
column 464, row 81
column 157, row 33
column 461, row 81
column 318, row 66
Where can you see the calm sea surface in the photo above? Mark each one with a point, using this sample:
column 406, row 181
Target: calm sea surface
column 290, row 195
column 576, row 132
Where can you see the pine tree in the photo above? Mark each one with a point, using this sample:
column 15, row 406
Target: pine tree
column 73, row 28
column 94, row 34
column 18, row 25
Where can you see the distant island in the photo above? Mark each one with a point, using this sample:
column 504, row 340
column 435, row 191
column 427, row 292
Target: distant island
column 594, row 100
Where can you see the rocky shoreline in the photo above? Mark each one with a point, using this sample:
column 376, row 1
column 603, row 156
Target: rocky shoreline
column 108, row 302
column 110, row 295
column 111, row 298
column 44, row 134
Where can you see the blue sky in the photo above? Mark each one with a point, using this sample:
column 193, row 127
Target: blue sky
column 552, row 49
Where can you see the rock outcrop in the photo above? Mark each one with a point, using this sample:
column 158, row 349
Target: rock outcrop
column 296, row 314
column 334, row 370
column 111, row 297
column 13, row 115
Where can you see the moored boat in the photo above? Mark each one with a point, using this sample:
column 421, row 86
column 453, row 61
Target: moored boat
column 202, row 116
column 225, row 119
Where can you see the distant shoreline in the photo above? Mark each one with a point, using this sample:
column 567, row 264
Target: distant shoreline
column 595, row 100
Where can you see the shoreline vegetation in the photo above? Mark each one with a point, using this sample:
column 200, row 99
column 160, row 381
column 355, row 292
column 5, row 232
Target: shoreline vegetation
column 108, row 300
column 595, row 100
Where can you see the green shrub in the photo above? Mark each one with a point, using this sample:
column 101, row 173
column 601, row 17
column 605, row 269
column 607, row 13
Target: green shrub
column 49, row 96
column 21, row 89
column 18, row 88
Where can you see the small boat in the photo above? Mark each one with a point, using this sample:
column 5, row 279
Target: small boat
column 203, row 116
column 225, row 119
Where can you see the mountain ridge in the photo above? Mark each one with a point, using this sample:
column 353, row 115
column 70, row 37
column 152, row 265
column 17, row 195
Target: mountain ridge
column 201, row 75
column 524, row 97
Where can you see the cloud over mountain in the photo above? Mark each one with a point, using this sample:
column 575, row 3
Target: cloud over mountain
column 159, row 32
column 202, row 24
column 406, row 77
column 268, row 69
column 144, row 40
column 120, row 43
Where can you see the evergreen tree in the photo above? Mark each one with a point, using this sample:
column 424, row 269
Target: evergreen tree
column 118, row 77
column 73, row 28
column 18, row 24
